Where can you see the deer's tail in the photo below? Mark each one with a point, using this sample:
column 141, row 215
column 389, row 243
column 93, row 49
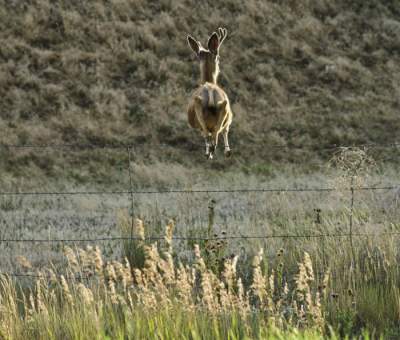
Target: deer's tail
column 210, row 97
column 211, row 100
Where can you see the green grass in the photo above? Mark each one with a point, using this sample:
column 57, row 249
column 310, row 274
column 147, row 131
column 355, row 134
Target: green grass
column 118, row 303
column 112, row 323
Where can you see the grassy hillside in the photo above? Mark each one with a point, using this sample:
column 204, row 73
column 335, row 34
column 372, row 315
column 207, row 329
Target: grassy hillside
column 120, row 71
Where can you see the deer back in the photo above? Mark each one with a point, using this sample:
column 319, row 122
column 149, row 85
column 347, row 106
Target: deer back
column 214, row 104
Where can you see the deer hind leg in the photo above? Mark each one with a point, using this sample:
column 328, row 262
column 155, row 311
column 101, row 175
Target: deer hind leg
column 227, row 149
column 206, row 135
column 209, row 149
column 212, row 146
column 221, row 107
column 214, row 140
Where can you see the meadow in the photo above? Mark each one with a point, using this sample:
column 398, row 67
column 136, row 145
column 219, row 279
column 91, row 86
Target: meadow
column 204, row 264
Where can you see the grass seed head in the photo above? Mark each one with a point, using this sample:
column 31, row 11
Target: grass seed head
column 23, row 262
column 66, row 291
column 98, row 260
column 85, row 294
column 71, row 257
column 139, row 229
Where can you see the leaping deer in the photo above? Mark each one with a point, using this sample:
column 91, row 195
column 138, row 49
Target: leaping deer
column 209, row 109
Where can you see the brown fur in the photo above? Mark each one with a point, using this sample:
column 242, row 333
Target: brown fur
column 209, row 109
column 211, row 112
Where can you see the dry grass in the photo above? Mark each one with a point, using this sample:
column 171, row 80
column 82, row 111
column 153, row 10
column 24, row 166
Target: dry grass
column 259, row 297
column 297, row 72
column 160, row 286
column 108, row 72
column 349, row 284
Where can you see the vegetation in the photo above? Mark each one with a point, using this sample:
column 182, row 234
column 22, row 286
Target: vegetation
column 299, row 73
column 325, row 279
column 162, row 298
column 120, row 71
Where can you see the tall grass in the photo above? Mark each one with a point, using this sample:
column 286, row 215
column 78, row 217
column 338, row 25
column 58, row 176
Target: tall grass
column 168, row 299
column 162, row 299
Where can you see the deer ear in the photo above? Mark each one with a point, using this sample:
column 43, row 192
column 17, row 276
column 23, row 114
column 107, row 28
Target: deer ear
column 213, row 43
column 194, row 44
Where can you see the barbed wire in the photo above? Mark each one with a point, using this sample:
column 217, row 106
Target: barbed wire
column 194, row 191
column 47, row 277
column 87, row 277
column 139, row 144
column 83, row 146
column 131, row 193
column 244, row 237
column 200, row 238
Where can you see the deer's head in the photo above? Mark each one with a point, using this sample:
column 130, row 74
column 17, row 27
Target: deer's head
column 208, row 57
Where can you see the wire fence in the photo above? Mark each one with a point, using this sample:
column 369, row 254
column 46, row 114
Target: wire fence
column 194, row 191
column 131, row 193
column 48, row 277
column 67, row 276
column 140, row 144
column 194, row 238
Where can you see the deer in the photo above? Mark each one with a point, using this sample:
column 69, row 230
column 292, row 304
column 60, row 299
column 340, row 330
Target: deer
column 209, row 109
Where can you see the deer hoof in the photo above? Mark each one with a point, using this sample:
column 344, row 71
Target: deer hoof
column 210, row 156
column 228, row 153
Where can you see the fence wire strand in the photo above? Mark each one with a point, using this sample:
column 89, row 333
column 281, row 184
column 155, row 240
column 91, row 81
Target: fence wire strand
column 87, row 277
column 138, row 144
column 130, row 146
column 47, row 277
column 195, row 191
column 199, row 238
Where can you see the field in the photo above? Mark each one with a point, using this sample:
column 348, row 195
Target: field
column 113, row 225
column 296, row 259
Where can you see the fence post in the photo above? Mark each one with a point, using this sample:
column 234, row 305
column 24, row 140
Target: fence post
column 211, row 207
column 318, row 223
column 317, row 216
column 351, row 214
column 129, row 149
column 353, row 260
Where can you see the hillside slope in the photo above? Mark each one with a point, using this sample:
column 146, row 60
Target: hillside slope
column 298, row 72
